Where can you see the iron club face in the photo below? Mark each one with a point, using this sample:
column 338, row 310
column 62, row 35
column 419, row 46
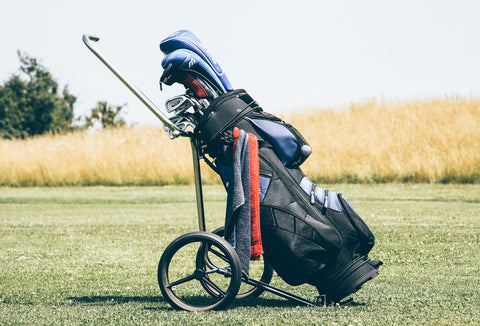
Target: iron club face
column 178, row 104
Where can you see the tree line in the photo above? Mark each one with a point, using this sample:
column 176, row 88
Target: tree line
column 32, row 103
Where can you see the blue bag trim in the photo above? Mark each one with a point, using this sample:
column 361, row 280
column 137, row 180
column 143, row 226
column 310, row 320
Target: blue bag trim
column 281, row 138
column 320, row 195
column 333, row 202
column 306, row 185
column 264, row 183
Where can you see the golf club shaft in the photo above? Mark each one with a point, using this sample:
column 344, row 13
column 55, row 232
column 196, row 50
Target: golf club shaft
column 145, row 100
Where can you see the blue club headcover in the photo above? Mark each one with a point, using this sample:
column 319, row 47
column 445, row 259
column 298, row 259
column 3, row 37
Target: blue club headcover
column 185, row 39
column 187, row 61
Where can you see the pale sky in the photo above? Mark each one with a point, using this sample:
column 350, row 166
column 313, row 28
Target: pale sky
column 289, row 55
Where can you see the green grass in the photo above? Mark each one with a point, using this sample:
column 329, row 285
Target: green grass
column 73, row 256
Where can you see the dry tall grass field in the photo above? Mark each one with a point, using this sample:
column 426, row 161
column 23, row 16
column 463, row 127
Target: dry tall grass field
column 434, row 140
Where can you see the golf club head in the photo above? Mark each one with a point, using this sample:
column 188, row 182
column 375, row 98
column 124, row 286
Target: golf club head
column 181, row 113
column 185, row 60
column 181, row 103
column 178, row 104
column 182, row 123
column 184, row 39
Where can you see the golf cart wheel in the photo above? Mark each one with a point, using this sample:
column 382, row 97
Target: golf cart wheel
column 259, row 270
column 196, row 260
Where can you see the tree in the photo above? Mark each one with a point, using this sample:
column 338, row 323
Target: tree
column 108, row 116
column 33, row 105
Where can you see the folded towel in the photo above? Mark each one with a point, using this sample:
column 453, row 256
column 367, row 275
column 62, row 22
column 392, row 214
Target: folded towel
column 242, row 218
column 256, row 249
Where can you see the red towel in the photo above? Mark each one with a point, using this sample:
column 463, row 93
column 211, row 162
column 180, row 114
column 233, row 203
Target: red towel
column 256, row 248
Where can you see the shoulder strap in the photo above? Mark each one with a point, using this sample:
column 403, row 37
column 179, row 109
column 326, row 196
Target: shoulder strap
column 223, row 113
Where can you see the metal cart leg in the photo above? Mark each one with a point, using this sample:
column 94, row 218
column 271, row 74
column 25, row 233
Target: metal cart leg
column 198, row 186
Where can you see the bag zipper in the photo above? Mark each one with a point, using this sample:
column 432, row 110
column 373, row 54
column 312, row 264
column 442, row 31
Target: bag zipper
column 326, row 199
column 312, row 194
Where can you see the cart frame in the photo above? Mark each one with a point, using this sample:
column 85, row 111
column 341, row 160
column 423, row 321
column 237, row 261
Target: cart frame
column 197, row 155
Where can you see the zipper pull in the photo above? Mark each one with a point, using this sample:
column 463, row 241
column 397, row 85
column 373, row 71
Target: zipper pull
column 326, row 199
column 312, row 194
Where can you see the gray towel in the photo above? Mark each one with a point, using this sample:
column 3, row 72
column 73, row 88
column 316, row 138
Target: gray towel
column 237, row 217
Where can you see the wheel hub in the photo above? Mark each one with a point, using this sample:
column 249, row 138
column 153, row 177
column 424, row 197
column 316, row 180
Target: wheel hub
column 199, row 274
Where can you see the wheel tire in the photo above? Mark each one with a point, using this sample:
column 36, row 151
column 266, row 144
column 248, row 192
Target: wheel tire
column 183, row 288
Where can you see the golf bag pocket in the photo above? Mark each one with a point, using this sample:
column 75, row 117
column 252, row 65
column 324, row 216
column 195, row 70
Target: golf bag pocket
column 311, row 235
column 288, row 143
column 341, row 213
column 297, row 245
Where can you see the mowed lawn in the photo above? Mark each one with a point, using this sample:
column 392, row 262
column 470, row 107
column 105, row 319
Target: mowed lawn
column 89, row 255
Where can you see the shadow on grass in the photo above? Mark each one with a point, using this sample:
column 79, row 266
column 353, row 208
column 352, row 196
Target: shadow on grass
column 252, row 302
column 280, row 302
column 117, row 299
column 163, row 305
column 265, row 302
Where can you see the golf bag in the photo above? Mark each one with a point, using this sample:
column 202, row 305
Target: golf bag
column 309, row 235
